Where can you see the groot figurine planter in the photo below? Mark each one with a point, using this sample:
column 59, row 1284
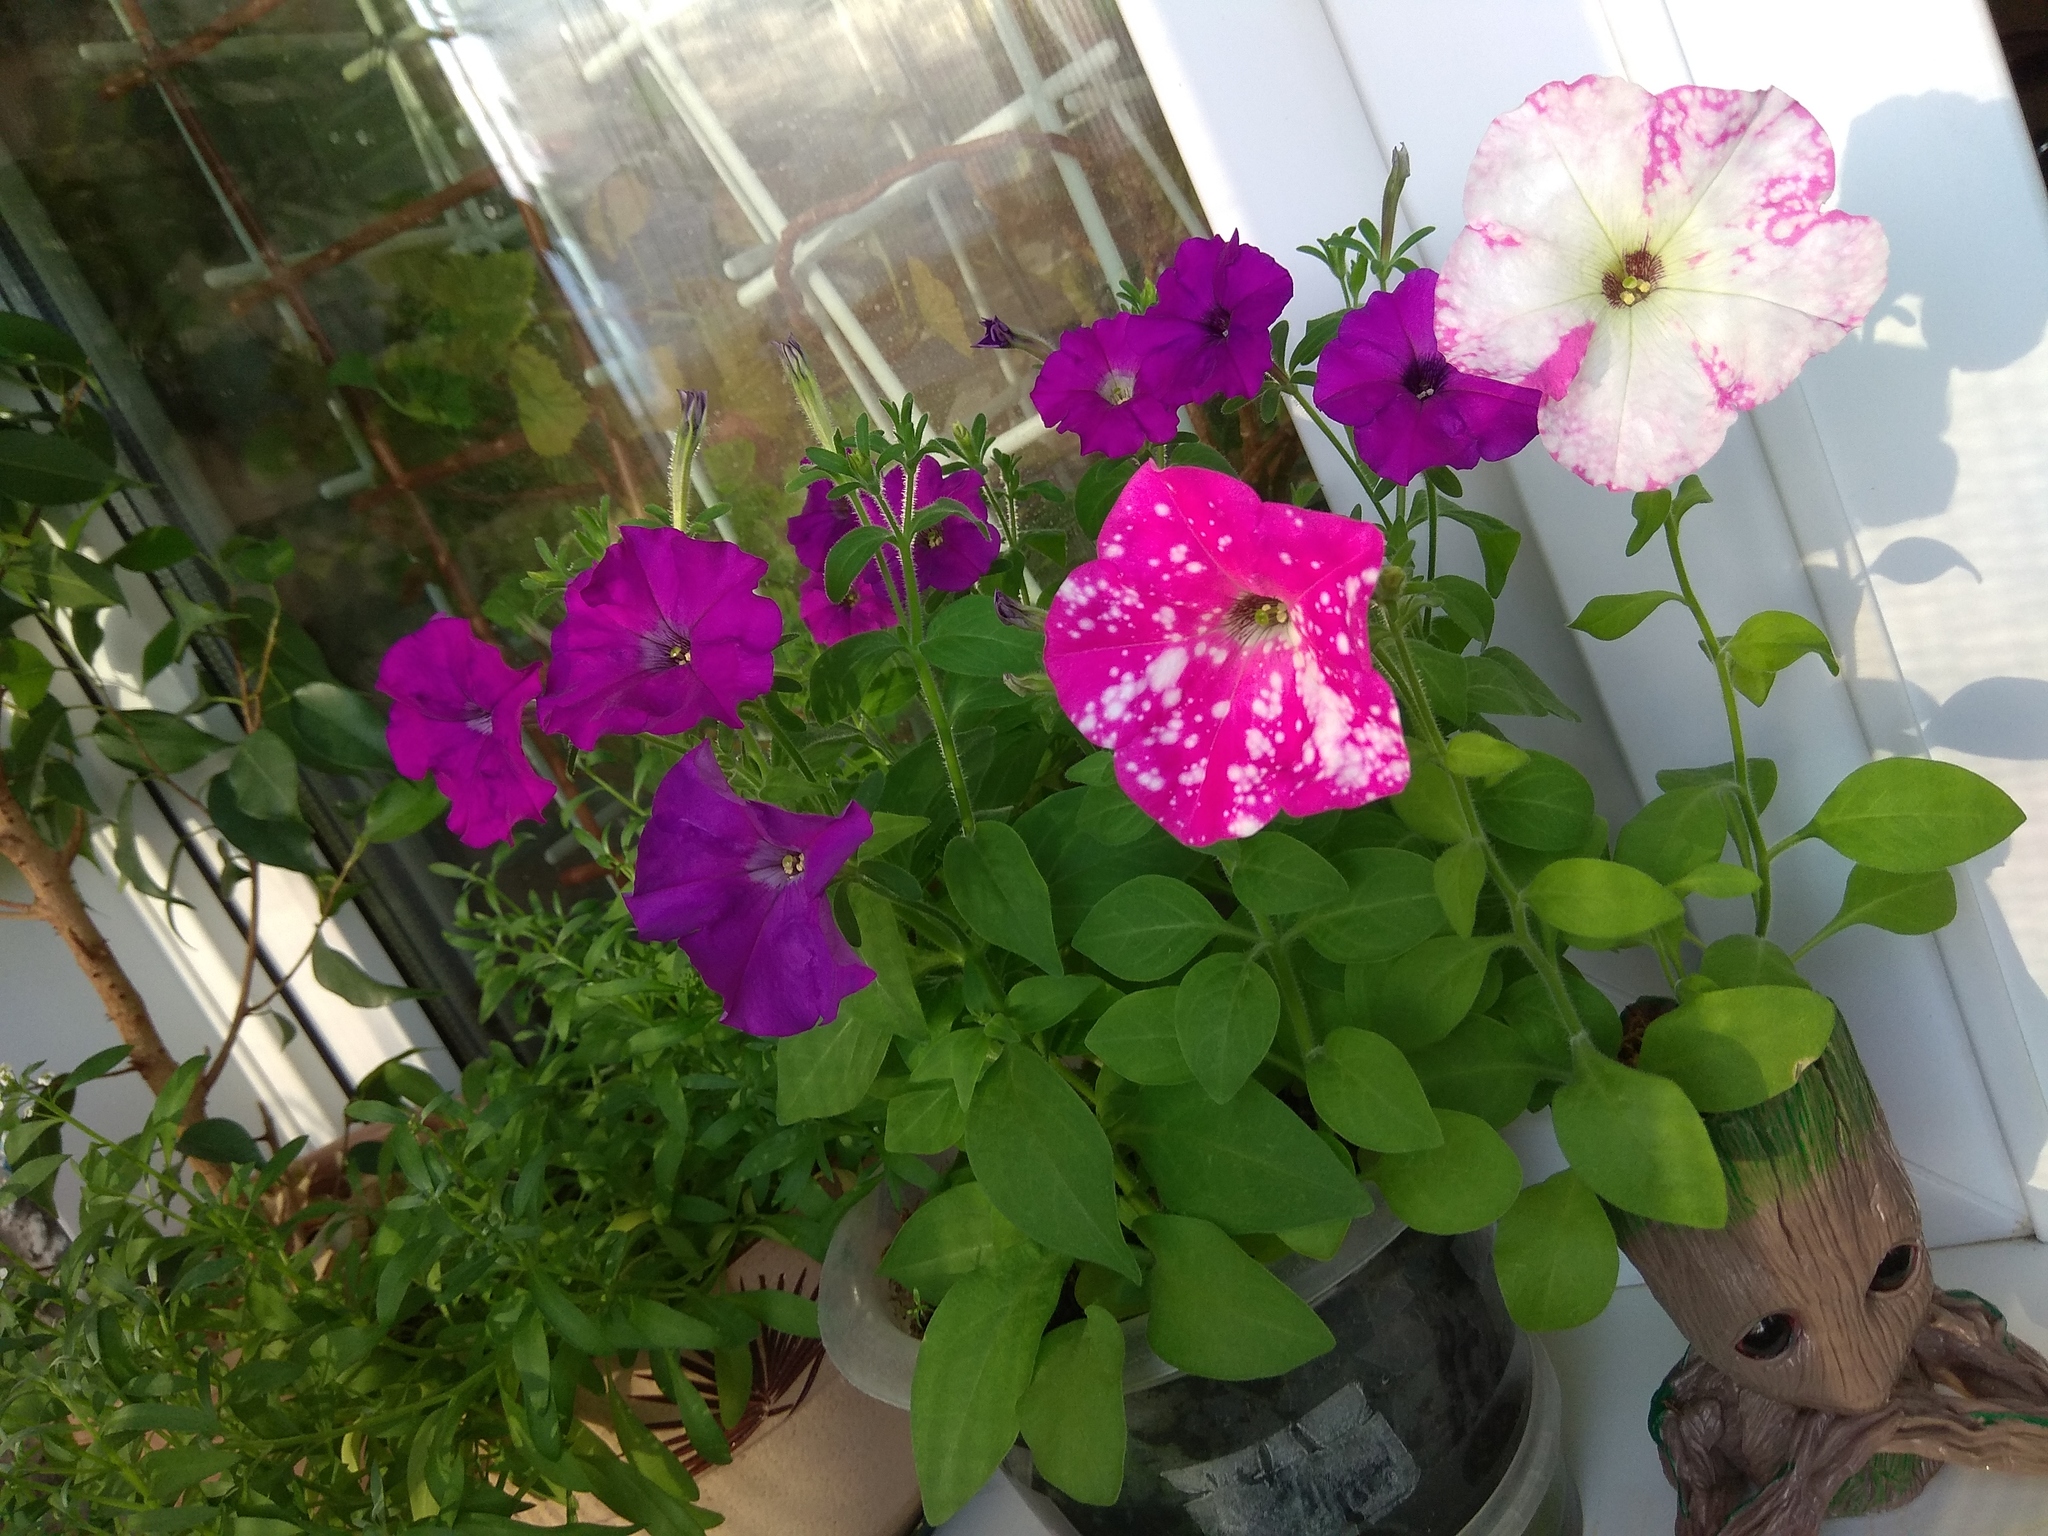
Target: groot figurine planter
column 1820, row 1347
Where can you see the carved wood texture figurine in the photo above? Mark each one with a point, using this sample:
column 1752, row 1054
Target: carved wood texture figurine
column 1826, row 1375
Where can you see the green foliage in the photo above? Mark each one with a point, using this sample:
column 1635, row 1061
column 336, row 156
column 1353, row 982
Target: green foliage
column 1555, row 1254
column 1214, row 1310
column 1072, row 1414
column 1737, row 1046
column 1463, row 1183
column 1911, row 816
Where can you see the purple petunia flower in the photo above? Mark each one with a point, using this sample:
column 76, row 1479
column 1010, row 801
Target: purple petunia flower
column 1383, row 376
column 1211, row 331
column 663, row 633
column 741, row 886
column 951, row 557
column 456, row 711
column 1093, row 386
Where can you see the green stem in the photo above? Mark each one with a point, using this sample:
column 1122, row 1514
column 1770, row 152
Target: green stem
column 927, row 681
column 1352, row 462
column 1757, row 856
column 1429, row 489
column 1291, row 999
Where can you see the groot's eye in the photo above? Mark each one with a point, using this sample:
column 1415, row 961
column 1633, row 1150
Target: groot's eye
column 1768, row 1337
column 1894, row 1269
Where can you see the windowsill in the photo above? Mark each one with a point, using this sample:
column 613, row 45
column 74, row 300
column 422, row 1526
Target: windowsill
column 1610, row 1367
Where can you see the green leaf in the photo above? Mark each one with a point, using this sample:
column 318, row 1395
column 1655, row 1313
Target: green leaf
column 1476, row 755
column 571, row 1323
column 350, row 982
column 1251, row 1165
column 1430, row 804
column 170, row 1472
column 924, row 1120
column 1138, row 1038
column 1743, row 960
column 1072, row 1415
column 25, row 672
column 25, row 339
column 342, row 728
column 892, row 996
column 1039, row 1002
column 286, row 844
column 1444, row 676
column 1652, row 510
column 1763, row 779
column 1225, row 1016
column 257, row 562
column 168, row 644
column 1467, row 604
column 1098, row 491
column 1555, row 1256
column 1498, row 543
column 1716, row 882
column 1273, row 873
column 969, row 638
column 1425, row 992
column 842, row 673
column 1638, row 1142
column 1147, row 928
column 1737, row 1046
column 401, row 808
column 849, row 556
column 891, row 829
column 1217, row 1312
column 1675, row 833
column 1546, row 804
column 552, row 412
column 1459, row 876
column 1111, row 817
column 68, row 579
column 1896, row 903
column 784, row 1311
column 1911, row 815
column 1767, row 643
column 1043, row 1161
column 219, row 1141
column 144, row 739
column 265, row 776
column 828, row 1070
column 1498, row 682
column 648, row 1324
column 1000, row 893
column 1459, row 1186
column 160, row 1418
column 1596, row 899
column 1392, row 906
column 46, row 469
column 1482, row 1068
column 1611, row 617
column 951, row 1235
column 155, row 549
column 974, row 1364
column 1364, row 1089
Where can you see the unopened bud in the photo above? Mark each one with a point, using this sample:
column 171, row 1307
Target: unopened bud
column 803, row 383
column 995, row 334
column 689, row 432
column 1027, row 687
column 1018, row 615
column 1390, row 200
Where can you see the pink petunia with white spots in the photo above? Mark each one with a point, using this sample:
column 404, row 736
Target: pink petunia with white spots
column 1656, row 265
column 1218, row 646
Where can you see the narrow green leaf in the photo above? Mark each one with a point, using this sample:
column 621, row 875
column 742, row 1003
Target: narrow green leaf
column 1476, row 755
column 155, row 549
column 401, row 808
column 850, row 556
column 46, row 469
column 1498, row 543
column 1459, row 876
column 350, row 982
column 342, row 728
column 1716, row 882
column 150, row 741
column 286, row 843
column 1652, row 510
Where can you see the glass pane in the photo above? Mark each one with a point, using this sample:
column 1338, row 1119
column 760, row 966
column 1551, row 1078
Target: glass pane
column 405, row 281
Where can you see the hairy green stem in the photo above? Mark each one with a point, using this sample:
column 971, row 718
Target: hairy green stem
column 1756, row 857
column 927, row 681
column 1295, row 1006
column 1352, row 462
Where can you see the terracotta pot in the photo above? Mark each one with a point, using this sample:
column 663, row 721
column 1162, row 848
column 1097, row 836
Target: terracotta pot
column 813, row 1457
column 1826, row 1374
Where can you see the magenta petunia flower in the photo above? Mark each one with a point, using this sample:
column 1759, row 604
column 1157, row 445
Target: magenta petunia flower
column 1656, row 265
column 1094, row 387
column 825, row 520
column 1382, row 376
column 456, row 712
column 1218, row 646
column 662, row 634
column 1211, row 331
column 741, row 886
column 951, row 557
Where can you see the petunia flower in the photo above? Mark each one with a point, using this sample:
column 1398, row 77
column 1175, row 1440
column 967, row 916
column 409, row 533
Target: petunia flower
column 741, row 886
column 995, row 335
column 951, row 556
column 456, row 712
column 1211, row 331
column 1383, row 376
column 1654, row 264
column 1218, row 646
column 1092, row 387
column 662, row 634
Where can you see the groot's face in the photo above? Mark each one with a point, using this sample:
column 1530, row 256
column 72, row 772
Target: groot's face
column 1813, row 1301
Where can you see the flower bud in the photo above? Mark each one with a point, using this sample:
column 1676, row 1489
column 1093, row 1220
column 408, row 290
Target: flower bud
column 689, row 433
column 995, row 334
column 803, row 383
column 1018, row 615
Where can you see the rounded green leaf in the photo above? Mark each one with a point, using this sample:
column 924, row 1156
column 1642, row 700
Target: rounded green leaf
column 266, row 777
column 46, row 469
column 343, row 728
column 1772, row 641
column 849, row 556
column 148, row 740
column 219, row 1141
column 1597, row 899
column 951, row 1235
column 1897, row 903
column 1423, row 994
column 1459, row 1186
column 1675, row 833
column 1482, row 1068
column 1072, row 1414
column 1364, row 1089
column 1460, row 875
column 1391, row 907
column 1274, row 873
column 403, row 807
column 1215, row 1311
column 970, row 638
column 287, row 843
column 1744, row 960
column 1637, row 1140
column 1226, row 1012
column 1555, row 1255
column 924, row 1120
column 1147, row 928
column 1430, row 805
column 1001, row 894
column 1546, row 804
column 1737, row 1046
column 1137, row 1037
column 1716, row 882
column 1912, row 815
column 1476, row 755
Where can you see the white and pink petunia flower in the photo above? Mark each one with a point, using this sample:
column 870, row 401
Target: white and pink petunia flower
column 1218, row 645
column 1656, row 265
